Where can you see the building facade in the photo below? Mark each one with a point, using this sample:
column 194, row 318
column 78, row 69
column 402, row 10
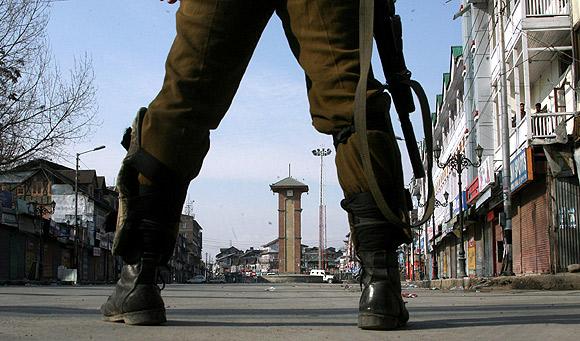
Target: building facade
column 541, row 42
column 40, row 241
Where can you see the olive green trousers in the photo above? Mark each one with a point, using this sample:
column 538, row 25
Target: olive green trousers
column 214, row 42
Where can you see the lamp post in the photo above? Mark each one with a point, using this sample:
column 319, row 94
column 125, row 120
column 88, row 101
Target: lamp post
column 459, row 162
column 77, row 248
column 321, row 152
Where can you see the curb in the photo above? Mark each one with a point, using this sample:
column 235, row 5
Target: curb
column 565, row 281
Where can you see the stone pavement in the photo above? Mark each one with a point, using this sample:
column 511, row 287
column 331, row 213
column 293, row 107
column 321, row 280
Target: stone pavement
column 289, row 312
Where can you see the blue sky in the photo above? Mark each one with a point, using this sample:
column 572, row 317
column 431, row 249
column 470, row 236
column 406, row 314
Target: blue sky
column 128, row 41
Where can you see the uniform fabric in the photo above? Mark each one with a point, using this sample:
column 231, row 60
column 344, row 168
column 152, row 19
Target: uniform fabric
column 214, row 42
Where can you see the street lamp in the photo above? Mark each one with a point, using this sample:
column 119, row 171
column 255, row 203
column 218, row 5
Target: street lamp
column 322, row 152
column 458, row 162
column 78, row 158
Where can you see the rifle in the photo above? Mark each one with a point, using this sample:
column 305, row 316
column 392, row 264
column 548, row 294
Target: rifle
column 378, row 19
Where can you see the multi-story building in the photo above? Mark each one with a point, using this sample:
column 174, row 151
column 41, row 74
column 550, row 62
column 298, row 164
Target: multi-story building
column 269, row 262
column 41, row 193
column 227, row 264
column 190, row 229
column 541, row 102
column 186, row 260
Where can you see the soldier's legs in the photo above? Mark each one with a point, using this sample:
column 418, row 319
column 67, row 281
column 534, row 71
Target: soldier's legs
column 324, row 38
column 214, row 42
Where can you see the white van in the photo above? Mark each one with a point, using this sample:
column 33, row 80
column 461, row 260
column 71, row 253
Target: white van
column 325, row 278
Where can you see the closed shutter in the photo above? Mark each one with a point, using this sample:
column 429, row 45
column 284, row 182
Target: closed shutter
column 17, row 256
column 4, row 255
column 567, row 196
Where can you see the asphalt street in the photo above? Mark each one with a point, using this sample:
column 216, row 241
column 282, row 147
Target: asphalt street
column 289, row 312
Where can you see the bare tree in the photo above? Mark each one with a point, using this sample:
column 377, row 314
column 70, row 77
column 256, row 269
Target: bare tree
column 40, row 110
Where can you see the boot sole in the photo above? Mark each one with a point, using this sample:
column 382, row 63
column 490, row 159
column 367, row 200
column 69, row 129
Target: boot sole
column 378, row 322
column 140, row 318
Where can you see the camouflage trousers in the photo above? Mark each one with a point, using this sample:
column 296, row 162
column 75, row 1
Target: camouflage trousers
column 214, row 42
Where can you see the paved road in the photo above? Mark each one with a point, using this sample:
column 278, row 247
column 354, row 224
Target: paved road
column 290, row 312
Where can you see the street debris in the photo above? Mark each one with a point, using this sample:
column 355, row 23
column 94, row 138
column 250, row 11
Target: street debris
column 408, row 295
column 574, row 268
column 270, row 289
column 434, row 288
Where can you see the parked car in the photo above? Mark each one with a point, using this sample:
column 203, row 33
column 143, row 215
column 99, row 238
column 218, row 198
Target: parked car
column 197, row 279
column 218, row 279
column 328, row 278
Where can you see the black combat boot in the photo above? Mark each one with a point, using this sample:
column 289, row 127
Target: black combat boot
column 136, row 299
column 381, row 306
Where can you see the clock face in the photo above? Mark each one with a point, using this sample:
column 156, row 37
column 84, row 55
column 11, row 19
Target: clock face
column 289, row 193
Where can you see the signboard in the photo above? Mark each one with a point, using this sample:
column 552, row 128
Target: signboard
column 473, row 191
column 64, row 211
column 521, row 169
column 456, row 203
column 485, row 174
column 96, row 252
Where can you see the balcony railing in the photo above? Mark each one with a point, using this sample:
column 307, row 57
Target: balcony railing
column 536, row 8
column 545, row 125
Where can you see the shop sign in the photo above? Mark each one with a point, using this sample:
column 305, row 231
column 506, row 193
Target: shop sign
column 96, row 252
column 485, row 174
column 456, row 203
column 472, row 191
column 521, row 169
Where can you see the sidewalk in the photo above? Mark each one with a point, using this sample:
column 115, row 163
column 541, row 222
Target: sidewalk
column 563, row 281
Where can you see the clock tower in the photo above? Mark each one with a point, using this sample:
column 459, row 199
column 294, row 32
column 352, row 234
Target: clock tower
column 289, row 223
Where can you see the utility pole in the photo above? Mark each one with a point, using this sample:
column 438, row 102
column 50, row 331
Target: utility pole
column 505, row 137
column 206, row 266
column 78, row 246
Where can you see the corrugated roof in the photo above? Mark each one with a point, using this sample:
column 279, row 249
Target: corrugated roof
column 16, row 177
column 456, row 51
column 86, row 176
column 446, row 80
column 289, row 182
column 101, row 182
column 439, row 100
column 271, row 243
